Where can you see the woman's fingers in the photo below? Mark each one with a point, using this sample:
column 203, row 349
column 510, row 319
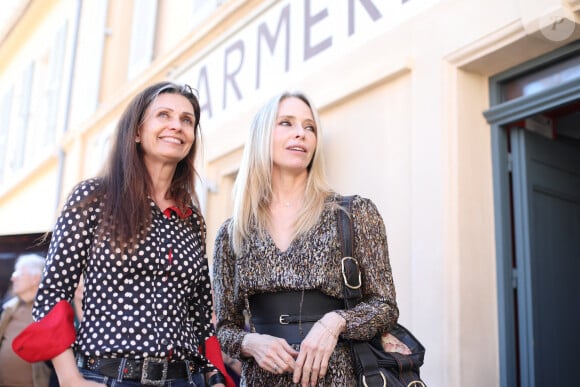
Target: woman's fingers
column 283, row 358
column 323, row 368
column 315, row 352
column 303, row 368
column 272, row 354
column 286, row 361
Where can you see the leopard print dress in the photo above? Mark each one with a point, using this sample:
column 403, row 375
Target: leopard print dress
column 312, row 261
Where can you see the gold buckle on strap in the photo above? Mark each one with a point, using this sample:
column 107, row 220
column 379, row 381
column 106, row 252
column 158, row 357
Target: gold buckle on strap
column 357, row 286
column 364, row 380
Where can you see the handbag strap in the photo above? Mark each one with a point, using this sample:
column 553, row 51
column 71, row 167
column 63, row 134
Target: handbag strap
column 371, row 374
column 350, row 270
column 362, row 351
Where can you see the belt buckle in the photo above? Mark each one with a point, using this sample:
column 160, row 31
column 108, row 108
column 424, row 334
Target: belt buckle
column 146, row 372
column 282, row 319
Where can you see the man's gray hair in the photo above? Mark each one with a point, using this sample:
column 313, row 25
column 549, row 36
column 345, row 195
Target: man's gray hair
column 33, row 263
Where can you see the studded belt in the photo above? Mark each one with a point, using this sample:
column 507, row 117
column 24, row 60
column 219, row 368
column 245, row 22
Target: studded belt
column 149, row 371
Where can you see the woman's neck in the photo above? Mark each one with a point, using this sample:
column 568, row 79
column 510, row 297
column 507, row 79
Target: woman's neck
column 288, row 191
column 161, row 179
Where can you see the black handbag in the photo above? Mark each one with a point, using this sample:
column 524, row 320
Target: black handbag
column 375, row 367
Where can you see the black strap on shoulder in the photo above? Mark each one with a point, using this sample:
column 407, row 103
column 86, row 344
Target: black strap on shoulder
column 365, row 359
column 369, row 367
column 345, row 225
column 349, row 265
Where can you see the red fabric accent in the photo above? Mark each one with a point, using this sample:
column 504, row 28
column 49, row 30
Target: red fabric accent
column 182, row 215
column 170, row 255
column 49, row 337
column 213, row 353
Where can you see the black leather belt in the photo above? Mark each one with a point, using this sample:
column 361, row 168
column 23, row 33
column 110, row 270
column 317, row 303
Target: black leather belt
column 290, row 315
column 149, row 371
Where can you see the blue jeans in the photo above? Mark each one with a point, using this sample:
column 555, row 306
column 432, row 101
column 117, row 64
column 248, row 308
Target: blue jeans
column 195, row 380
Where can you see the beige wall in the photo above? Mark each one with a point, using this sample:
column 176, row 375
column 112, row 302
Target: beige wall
column 401, row 106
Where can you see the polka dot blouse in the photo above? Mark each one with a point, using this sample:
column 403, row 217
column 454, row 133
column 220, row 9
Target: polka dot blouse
column 154, row 302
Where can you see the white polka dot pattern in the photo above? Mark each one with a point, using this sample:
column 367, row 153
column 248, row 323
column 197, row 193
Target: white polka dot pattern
column 155, row 301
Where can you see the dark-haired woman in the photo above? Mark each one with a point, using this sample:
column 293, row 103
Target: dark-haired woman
column 137, row 236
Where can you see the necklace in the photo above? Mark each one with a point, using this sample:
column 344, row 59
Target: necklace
column 287, row 204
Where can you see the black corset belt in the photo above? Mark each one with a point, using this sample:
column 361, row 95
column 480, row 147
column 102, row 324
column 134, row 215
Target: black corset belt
column 290, row 315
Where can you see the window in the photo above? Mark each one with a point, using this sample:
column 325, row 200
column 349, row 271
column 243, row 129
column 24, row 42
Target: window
column 142, row 36
column 45, row 99
column 19, row 130
column 88, row 61
column 543, row 79
column 53, row 87
column 6, row 113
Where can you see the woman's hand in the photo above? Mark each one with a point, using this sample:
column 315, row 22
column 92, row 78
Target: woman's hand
column 315, row 350
column 68, row 373
column 81, row 382
column 75, row 379
column 272, row 354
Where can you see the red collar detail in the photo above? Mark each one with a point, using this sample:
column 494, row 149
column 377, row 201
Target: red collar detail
column 177, row 211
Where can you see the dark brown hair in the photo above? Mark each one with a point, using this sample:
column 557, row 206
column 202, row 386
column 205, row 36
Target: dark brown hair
column 125, row 183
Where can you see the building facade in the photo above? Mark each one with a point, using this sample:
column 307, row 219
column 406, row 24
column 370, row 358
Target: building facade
column 460, row 119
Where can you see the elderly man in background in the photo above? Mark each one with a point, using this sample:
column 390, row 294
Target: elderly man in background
column 17, row 315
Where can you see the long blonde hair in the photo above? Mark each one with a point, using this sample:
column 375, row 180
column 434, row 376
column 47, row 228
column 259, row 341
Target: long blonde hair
column 253, row 185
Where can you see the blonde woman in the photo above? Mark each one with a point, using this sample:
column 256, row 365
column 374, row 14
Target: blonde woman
column 277, row 260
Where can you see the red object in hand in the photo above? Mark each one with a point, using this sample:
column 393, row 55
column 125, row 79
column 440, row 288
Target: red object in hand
column 45, row 339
